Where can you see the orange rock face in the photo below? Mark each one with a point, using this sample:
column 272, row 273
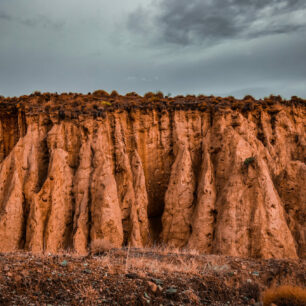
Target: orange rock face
column 216, row 178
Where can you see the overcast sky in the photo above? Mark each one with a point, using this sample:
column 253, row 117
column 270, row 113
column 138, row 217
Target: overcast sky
column 220, row 47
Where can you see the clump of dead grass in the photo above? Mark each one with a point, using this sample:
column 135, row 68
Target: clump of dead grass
column 88, row 294
column 166, row 249
column 100, row 246
column 150, row 265
column 284, row 296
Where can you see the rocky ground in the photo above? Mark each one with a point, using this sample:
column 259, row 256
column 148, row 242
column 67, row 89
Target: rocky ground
column 140, row 277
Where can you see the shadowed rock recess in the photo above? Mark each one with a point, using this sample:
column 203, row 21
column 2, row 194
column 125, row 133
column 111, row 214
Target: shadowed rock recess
column 219, row 175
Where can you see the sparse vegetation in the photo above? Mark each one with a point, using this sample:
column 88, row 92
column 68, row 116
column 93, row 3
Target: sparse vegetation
column 132, row 94
column 159, row 94
column 249, row 97
column 157, row 275
column 154, row 99
column 106, row 103
column 36, row 93
column 100, row 246
column 100, row 93
column 114, row 93
column 249, row 160
column 149, row 94
column 286, row 295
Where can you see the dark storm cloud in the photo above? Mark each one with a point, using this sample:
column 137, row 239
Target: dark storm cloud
column 177, row 46
column 188, row 22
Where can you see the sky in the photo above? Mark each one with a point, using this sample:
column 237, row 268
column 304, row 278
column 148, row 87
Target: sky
column 218, row 47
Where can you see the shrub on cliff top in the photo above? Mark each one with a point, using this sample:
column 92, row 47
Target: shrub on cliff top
column 285, row 296
column 132, row 94
column 149, row 94
column 159, row 94
column 154, row 99
column 114, row 93
column 249, row 97
column 100, row 93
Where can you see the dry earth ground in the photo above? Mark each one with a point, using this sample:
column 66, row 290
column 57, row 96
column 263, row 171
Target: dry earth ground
column 156, row 276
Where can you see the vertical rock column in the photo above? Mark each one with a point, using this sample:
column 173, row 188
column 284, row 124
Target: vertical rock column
column 81, row 189
column 49, row 226
column 131, row 190
column 176, row 219
column 105, row 209
column 203, row 221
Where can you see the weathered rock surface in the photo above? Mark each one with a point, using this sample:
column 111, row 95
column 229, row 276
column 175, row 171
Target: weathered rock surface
column 221, row 180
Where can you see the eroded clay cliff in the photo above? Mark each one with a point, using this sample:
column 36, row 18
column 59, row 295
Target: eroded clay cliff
column 220, row 176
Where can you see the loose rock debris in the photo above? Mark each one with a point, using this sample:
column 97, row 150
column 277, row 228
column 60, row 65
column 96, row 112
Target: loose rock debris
column 144, row 277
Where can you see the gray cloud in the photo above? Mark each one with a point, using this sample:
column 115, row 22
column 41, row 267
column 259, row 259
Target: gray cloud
column 209, row 52
column 33, row 21
column 192, row 22
column 42, row 21
column 5, row 16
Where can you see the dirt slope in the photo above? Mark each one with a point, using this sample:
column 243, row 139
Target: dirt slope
column 222, row 176
column 142, row 277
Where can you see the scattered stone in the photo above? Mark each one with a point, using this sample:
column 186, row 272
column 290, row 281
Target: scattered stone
column 141, row 274
column 90, row 281
column 192, row 296
column 17, row 278
column 157, row 281
column 171, row 291
column 64, row 263
column 6, row 268
column 24, row 273
column 87, row 271
column 153, row 286
column 131, row 275
column 221, row 268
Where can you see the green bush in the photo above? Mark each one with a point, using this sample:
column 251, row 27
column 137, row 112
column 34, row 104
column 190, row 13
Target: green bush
column 249, row 161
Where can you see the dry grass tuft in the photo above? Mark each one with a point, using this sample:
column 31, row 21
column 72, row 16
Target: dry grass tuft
column 149, row 265
column 166, row 249
column 100, row 246
column 88, row 294
column 285, row 296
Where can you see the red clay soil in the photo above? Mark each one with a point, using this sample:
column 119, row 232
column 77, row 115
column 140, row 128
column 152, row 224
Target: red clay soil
column 141, row 277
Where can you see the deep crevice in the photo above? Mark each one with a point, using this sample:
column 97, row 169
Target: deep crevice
column 155, row 223
column 89, row 217
column 43, row 164
column 25, row 214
